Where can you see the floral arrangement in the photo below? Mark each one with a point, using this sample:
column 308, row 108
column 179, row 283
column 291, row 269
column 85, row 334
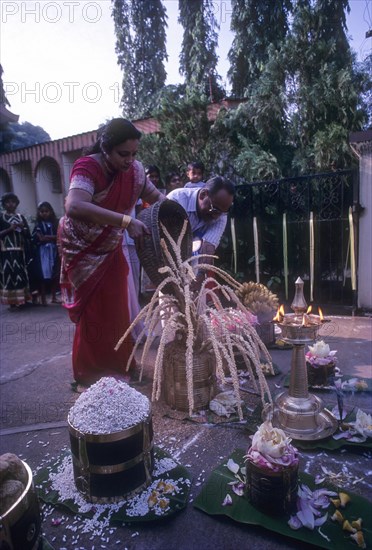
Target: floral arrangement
column 234, row 320
column 258, row 299
column 272, row 449
column 199, row 320
column 358, row 431
column 320, row 355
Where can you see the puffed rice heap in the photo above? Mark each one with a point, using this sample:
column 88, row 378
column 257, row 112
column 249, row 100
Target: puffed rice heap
column 108, row 406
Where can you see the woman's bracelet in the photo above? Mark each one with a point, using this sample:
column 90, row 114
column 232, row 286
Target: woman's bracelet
column 125, row 221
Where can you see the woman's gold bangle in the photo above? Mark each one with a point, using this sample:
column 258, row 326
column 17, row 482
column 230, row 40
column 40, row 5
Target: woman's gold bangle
column 125, row 221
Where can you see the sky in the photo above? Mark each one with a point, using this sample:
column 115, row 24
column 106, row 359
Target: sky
column 60, row 66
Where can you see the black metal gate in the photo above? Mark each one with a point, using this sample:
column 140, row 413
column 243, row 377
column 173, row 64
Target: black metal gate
column 326, row 198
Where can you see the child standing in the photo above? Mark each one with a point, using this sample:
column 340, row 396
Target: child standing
column 44, row 236
column 195, row 175
column 172, row 181
column 15, row 241
column 153, row 174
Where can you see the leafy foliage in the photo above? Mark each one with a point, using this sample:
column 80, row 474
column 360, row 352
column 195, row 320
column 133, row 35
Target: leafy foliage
column 184, row 131
column 23, row 135
column 364, row 75
column 140, row 29
column 322, row 87
column 257, row 25
column 3, row 98
column 198, row 58
column 303, row 92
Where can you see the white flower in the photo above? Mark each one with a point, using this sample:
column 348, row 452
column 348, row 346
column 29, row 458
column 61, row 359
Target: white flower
column 270, row 441
column 363, row 423
column 320, row 349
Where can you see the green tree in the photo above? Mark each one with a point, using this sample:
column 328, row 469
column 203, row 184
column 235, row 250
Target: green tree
column 184, row 135
column 364, row 69
column 3, row 98
column 198, row 58
column 257, row 26
column 25, row 134
column 140, row 29
column 5, row 133
column 323, row 88
column 14, row 135
column 235, row 151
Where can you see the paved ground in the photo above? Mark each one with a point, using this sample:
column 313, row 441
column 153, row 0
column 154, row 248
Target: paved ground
column 36, row 395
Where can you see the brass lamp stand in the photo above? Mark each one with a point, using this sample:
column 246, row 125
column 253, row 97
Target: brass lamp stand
column 300, row 414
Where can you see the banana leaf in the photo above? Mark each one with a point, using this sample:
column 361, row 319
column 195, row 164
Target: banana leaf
column 344, row 378
column 215, row 489
column 45, row 544
column 177, row 501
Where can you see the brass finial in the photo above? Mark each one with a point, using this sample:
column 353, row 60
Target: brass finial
column 299, row 304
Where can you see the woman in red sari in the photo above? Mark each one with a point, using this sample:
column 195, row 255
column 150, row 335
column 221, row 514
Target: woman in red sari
column 104, row 187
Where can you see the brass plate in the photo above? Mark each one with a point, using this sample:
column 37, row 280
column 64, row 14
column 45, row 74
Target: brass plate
column 327, row 425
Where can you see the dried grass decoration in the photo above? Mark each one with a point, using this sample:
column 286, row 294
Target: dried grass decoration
column 200, row 323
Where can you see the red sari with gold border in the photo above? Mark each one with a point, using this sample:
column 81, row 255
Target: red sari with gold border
column 94, row 273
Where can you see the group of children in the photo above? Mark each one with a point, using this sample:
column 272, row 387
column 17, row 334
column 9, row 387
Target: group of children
column 29, row 261
column 194, row 174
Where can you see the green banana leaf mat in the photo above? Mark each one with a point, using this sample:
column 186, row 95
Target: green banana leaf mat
column 215, row 489
column 177, row 500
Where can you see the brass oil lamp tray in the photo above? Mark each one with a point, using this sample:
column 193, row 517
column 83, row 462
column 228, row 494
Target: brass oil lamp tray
column 300, row 414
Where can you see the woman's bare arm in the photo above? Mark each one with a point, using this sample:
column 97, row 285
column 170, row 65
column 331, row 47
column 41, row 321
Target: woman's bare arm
column 79, row 206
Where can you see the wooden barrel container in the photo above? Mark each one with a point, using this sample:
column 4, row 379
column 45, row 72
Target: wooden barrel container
column 320, row 375
column 110, row 467
column 274, row 493
column 20, row 525
column 175, row 383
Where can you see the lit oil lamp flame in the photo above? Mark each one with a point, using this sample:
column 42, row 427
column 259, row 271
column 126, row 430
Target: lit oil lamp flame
column 320, row 314
column 279, row 314
column 309, row 309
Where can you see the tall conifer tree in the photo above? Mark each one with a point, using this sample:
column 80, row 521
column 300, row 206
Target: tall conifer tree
column 324, row 91
column 140, row 28
column 257, row 25
column 198, row 57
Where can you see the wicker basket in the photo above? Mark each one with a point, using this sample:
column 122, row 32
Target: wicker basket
column 175, row 385
column 172, row 216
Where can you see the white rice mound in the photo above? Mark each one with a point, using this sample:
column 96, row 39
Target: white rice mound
column 108, row 406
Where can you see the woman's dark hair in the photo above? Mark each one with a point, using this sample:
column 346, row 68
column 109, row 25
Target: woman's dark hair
column 9, row 197
column 53, row 217
column 170, row 176
column 197, row 165
column 113, row 133
column 152, row 168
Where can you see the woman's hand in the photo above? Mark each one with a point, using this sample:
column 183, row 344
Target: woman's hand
column 138, row 230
